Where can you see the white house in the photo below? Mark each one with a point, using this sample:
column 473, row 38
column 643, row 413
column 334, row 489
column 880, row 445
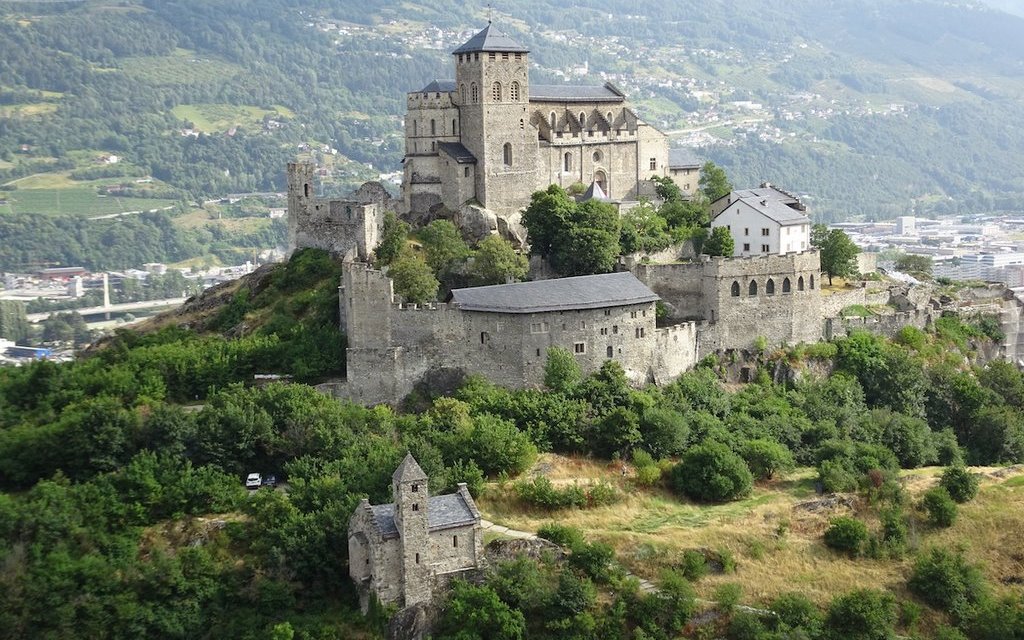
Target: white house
column 763, row 221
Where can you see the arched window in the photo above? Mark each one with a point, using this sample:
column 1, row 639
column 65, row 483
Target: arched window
column 305, row 189
column 602, row 181
column 568, row 161
column 583, row 119
column 812, row 282
column 786, row 288
column 454, row 132
column 769, row 287
column 433, row 127
column 496, row 92
column 753, row 288
column 735, row 289
column 609, row 117
column 462, row 93
column 609, row 352
column 513, row 92
column 800, row 283
column 553, row 119
column 506, row 153
column 474, row 93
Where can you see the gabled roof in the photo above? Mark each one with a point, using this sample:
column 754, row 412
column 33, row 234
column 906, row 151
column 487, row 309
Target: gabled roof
column 408, row 471
column 458, row 152
column 443, row 512
column 575, row 93
column 682, row 159
column 439, row 86
column 490, row 39
column 562, row 294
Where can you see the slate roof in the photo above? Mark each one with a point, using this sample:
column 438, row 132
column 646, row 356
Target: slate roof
column 594, row 191
column 443, row 512
column 439, row 86
column 575, row 93
column 408, row 471
column 776, row 210
column 771, row 193
column 562, row 294
column 458, row 152
column 490, row 39
column 682, row 158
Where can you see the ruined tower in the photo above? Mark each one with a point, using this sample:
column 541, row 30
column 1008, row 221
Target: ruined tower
column 409, row 486
column 492, row 91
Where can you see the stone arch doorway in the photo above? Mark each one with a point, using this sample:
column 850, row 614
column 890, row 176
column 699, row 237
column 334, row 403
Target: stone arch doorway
column 601, row 178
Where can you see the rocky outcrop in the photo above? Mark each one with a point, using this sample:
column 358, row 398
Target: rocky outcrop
column 412, row 623
column 502, row 550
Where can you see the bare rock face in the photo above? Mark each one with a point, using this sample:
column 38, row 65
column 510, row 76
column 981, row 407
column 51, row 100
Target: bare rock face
column 476, row 222
column 511, row 228
column 412, row 623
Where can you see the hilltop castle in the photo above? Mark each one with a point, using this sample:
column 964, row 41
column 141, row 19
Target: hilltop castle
column 489, row 138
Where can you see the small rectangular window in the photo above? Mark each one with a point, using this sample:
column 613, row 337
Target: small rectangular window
column 415, row 506
column 609, row 352
column 607, row 312
column 417, row 558
column 579, row 347
column 455, row 541
column 746, row 231
column 654, row 164
column 746, row 246
column 615, row 328
column 764, row 231
column 604, row 331
column 632, row 314
column 765, row 248
column 538, row 353
column 415, row 488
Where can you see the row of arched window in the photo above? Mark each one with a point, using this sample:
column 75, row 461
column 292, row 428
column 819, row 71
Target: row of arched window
column 514, row 92
column 769, row 286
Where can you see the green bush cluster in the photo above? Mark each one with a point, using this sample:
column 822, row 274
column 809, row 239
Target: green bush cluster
column 540, row 492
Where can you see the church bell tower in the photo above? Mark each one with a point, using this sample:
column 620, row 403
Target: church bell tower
column 493, row 95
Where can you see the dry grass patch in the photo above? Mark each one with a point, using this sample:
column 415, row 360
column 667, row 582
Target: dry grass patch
column 777, row 547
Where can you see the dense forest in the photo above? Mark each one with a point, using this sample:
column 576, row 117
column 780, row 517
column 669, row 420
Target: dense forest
column 124, row 516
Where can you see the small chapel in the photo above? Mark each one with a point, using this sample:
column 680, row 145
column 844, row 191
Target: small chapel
column 402, row 551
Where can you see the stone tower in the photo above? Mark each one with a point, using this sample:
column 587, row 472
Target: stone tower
column 300, row 198
column 493, row 92
column 409, row 486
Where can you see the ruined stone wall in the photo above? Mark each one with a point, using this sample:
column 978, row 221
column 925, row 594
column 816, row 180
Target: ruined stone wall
column 885, row 325
column 344, row 227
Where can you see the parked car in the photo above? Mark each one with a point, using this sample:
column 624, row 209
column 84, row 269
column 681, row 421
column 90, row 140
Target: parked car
column 270, row 481
column 253, row 481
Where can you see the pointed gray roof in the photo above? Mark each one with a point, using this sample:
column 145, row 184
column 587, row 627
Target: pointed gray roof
column 594, row 192
column 490, row 39
column 408, row 471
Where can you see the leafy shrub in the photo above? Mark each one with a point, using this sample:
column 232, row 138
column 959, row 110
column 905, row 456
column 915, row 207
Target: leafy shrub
column 846, row 534
column 796, row 611
column 961, row 484
column 541, row 493
column 836, row 477
column 593, row 559
column 695, row 566
column 947, row 449
column 946, row 581
column 765, row 458
column 728, row 596
column 866, row 614
column 711, row 472
column 566, row 536
column 939, row 506
column 894, row 530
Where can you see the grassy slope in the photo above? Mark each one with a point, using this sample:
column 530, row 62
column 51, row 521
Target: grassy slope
column 651, row 528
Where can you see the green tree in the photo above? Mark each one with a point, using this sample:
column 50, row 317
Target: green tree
column 496, row 262
column 713, row 182
column 909, row 263
column 766, row 458
column 720, row 243
column 577, row 239
column 393, row 236
column 643, row 229
column 413, row 278
column 838, row 252
column 846, row 534
column 443, row 245
column 477, row 613
column 14, row 324
column 561, row 372
column 711, row 472
column 548, row 216
column 961, row 484
column 666, row 189
column 939, row 507
column 945, row 580
column 866, row 614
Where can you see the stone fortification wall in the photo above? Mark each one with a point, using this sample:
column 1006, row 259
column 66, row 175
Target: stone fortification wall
column 675, row 351
column 680, row 285
column 679, row 252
